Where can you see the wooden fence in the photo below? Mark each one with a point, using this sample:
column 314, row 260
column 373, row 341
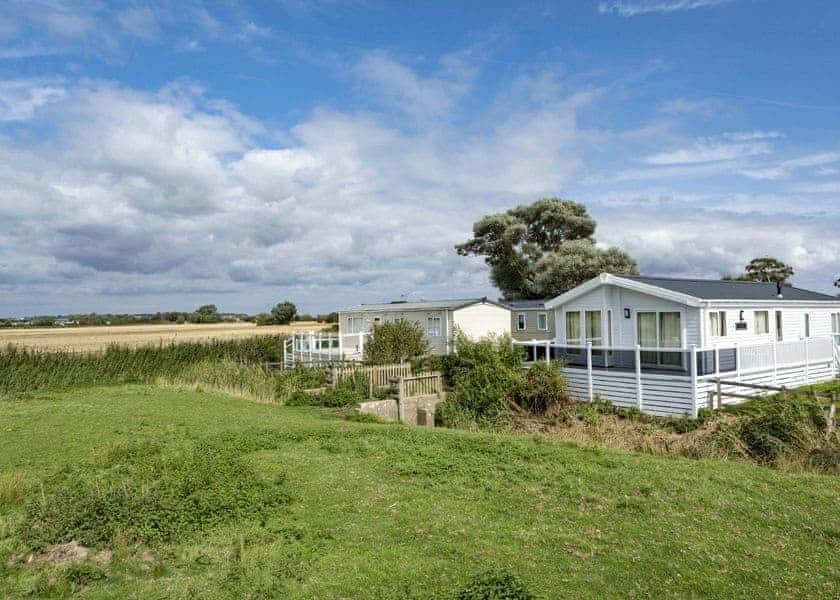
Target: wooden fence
column 376, row 375
column 422, row 384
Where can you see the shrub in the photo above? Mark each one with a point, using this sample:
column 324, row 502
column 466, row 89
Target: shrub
column 395, row 343
column 494, row 586
column 333, row 398
column 300, row 378
column 783, row 427
column 542, row 388
column 151, row 497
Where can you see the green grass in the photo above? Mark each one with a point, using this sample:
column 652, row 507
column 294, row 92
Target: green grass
column 389, row 511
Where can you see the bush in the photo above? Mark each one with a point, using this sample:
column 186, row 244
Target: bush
column 333, row 398
column 494, row 586
column 395, row 343
column 782, row 428
column 149, row 496
column 542, row 388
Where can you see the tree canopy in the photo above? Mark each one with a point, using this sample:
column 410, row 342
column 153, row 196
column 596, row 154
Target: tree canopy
column 208, row 313
column 766, row 269
column 284, row 312
column 543, row 249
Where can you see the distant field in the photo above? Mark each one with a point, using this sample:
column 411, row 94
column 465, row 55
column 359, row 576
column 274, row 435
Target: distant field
column 88, row 339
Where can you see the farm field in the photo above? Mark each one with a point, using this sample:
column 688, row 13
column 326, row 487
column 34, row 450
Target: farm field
column 91, row 339
column 303, row 504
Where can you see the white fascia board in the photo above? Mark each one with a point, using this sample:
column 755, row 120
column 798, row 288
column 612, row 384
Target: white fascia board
column 628, row 284
column 780, row 303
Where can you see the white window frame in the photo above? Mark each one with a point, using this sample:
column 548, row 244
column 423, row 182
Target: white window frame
column 521, row 321
column 835, row 323
column 353, row 324
column 758, row 331
column 431, row 329
column 806, row 325
column 542, row 317
column 572, row 341
column 721, row 329
column 779, row 318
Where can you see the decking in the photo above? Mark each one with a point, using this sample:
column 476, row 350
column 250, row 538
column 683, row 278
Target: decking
column 676, row 382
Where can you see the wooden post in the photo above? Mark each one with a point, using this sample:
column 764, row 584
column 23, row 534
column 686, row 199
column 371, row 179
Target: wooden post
column 589, row 370
column 639, row 402
column 832, row 416
column 719, row 389
column 711, row 399
column 775, row 363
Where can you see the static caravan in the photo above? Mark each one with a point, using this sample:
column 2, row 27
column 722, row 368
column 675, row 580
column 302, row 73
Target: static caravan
column 475, row 317
column 531, row 321
column 658, row 343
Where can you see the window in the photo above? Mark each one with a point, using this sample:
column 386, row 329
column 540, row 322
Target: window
column 520, row 321
column 542, row 321
column 609, row 328
column 717, row 323
column 377, row 320
column 354, row 324
column 835, row 323
column 659, row 330
column 433, row 326
column 780, row 336
column 762, row 322
column 573, row 328
column 593, row 328
column 807, row 325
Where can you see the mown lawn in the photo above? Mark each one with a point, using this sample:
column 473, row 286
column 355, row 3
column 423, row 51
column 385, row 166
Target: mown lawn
column 388, row 511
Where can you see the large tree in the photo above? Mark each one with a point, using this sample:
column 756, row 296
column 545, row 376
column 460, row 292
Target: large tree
column 284, row 312
column 542, row 249
column 766, row 269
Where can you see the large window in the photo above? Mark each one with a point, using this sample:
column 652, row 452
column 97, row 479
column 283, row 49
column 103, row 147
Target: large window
column 521, row 323
column 762, row 322
column 354, row 324
column 593, row 328
column 433, row 327
column 659, row 330
column 573, row 328
column 542, row 321
column 717, row 323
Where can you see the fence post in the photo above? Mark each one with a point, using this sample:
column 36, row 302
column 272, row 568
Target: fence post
column 737, row 362
column 832, row 412
column 400, row 396
column 547, row 352
column 717, row 361
column 340, row 347
column 719, row 389
column 775, row 363
column 639, row 402
column 589, row 370
column 807, row 371
column 693, row 381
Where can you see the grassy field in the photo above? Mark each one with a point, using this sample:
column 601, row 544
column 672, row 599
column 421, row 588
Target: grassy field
column 321, row 507
column 88, row 339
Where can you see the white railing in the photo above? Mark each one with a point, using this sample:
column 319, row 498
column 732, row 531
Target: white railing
column 319, row 347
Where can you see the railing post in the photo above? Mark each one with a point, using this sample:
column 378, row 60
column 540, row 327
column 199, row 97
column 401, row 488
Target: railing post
column 807, row 371
column 775, row 363
column 285, row 355
column 719, row 389
column 639, row 402
column 547, row 352
column 693, row 381
column 717, row 361
column 362, row 344
column 589, row 370
column 737, row 362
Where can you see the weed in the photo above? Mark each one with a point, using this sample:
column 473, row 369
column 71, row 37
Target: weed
column 12, row 489
column 494, row 586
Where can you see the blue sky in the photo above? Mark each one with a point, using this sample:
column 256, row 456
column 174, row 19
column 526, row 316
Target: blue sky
column 160, row 155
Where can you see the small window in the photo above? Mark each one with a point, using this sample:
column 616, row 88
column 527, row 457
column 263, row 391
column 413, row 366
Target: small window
column 520, row 321
column 807, row 325
column 717, row 323
column 573, row 328
column 433, row 326
column 542, row 321
column 780, row 334
column 835, row 323
column 762, row 322
column 377, row 320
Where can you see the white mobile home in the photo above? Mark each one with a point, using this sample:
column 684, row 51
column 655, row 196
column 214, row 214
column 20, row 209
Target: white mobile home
column 659, row 343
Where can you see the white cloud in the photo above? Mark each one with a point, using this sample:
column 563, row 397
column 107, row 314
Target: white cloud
column 140, row 22
column 633, row 8
column 20, row 99
column 786, row 167
column 728, row 147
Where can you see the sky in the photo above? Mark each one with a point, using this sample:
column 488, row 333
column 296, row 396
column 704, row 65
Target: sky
column 163, row 155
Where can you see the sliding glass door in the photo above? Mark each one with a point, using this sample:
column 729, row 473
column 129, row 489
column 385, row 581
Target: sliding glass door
column 660, row 330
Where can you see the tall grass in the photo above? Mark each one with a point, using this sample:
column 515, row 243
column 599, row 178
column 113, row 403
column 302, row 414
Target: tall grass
column 23, row 370
column 226, row 376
